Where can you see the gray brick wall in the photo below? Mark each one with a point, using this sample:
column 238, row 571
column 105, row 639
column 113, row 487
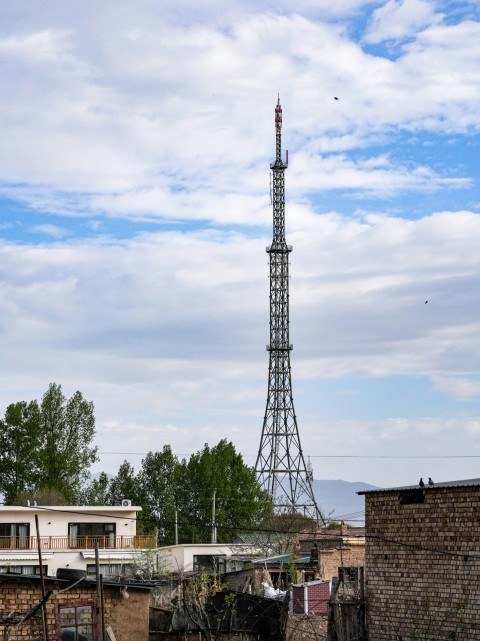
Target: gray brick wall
column 422, row 565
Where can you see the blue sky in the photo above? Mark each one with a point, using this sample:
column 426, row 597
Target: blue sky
column 135, row 213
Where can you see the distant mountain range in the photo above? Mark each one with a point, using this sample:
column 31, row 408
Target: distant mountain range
column 339, row 501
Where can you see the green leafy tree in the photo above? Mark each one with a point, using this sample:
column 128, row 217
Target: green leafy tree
column 111, row 490
column 170, row 491
column 125, row 486
column 47, row 448
column 19, row 445
column 67, row 427
column 239, row 500
column 96, row 492
column 160, row 480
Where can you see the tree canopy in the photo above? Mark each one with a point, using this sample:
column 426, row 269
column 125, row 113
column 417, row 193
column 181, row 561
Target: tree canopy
column 178, row 497
column 47, row 446
column 20, row 442
column 239, row 502
column 46, row 453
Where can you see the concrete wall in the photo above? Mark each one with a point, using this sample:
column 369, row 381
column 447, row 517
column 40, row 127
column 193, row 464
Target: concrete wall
column 53, row 520
column 422, row 563
column 180, row 558
column 53, row 528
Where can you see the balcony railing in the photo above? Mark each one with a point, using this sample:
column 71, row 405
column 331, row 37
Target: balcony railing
column 137, row 541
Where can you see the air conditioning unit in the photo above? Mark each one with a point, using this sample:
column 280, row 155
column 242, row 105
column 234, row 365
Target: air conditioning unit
column 126, row 503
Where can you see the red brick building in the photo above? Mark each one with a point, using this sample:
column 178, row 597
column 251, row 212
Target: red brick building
column 311, row 597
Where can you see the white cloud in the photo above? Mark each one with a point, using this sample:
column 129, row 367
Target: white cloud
column 164, row 126
column 167, row 331
column 371, row 275
column 398, row 19
column 375, row 176
column 458, row 387
column 394, row 451
column 130, row 115
column 53, row 231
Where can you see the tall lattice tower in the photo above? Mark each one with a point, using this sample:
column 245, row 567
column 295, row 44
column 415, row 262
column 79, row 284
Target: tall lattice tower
column 280, row 465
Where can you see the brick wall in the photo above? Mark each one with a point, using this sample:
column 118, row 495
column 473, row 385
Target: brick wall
column 311, row 597
column 128, row 616
column 330, row 560
column 422, row 564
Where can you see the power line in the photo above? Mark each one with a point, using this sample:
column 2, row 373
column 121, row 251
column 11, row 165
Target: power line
column 314, row 533
column 396, row 456
column 349, row 456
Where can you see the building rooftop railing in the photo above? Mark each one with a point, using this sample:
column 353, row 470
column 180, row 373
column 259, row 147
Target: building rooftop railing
column 136, row 541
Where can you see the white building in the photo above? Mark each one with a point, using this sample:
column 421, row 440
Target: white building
column 193, row 557
column 68, row 536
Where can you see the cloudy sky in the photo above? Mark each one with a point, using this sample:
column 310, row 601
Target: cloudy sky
column 136, row 139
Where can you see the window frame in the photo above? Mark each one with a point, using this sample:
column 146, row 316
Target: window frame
column 15, row 540
column 21, row 569
column 85, row 540
column 76, row 604
column 123, row 569
column 349, row 574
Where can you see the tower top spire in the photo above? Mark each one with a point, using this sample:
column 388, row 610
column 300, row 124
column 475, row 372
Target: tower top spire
column 278, row 137
column 278, row 114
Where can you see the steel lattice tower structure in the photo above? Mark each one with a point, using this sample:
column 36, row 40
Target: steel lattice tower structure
column 280, row 465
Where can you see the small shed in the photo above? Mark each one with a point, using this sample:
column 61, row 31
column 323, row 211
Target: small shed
column 69, row 603
column 311, row 597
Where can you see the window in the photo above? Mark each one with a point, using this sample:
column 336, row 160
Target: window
column 209, row 563
column 86, row 535
column 410, row 497
column 14, row 535
column 23, row 569
column 76, row 621
column 111, row 569
column 349, row 575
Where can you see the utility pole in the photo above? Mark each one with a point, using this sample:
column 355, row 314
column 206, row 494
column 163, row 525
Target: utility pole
column 214, row 516
column 42, row 582
column 280, row 465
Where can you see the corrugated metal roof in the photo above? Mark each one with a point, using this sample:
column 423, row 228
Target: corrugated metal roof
column 281, row 559
column 465, row 483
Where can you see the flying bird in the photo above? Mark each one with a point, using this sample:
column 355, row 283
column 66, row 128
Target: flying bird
column 430, row 482
column 336, row 98
column 426, row 302
column 421, row 483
